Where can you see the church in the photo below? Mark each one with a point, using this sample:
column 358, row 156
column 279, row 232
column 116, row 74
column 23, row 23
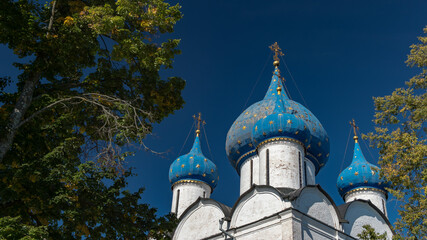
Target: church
column 277, row 147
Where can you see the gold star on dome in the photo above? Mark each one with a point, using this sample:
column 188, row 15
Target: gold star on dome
column 356, row 173
column 204, row 175
column 213, row 181
column 176, row 175
column 189, row 174
column 350, row 168
column 289, row 121
column 205, row 160
column 351, row 184
column 255, row 115
column 319, row 143
column 212, row 170
column 373, row 173
column 183, row 165
column 342, row 178
column 280, row 130
column 198, row 166
column 271, row 122
column 244, row 127
column 296, row 133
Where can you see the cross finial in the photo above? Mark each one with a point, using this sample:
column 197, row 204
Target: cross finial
column 199, row 121
column 277, row 52
column 353, row 124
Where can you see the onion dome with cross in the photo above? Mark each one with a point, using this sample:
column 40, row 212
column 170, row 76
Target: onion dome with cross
column 360, row 174
column 194, row 166
column 276, row 115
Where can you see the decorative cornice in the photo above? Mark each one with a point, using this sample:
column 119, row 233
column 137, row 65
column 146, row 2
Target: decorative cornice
column 365, row 189
column 275, row 139
column 243, row 156
column 190, row 181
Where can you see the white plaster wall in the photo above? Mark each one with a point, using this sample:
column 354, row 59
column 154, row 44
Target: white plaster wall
column 284, row 168
column 377, row 198
column 256, row 206
column 189, row 193
column 311, row 172
column 359, row 214
column 200, row 223
column 287, row 225
column 245, row 174
column 313, row 203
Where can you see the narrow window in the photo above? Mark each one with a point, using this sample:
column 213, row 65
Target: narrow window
column 267, row 170
column 177, row 202
column 305, row 173
column 300, row 169
column 252, row 170
column 204, row 194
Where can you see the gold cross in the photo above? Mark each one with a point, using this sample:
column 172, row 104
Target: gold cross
column 277, row 51
column 199, row 121
column 353, row 124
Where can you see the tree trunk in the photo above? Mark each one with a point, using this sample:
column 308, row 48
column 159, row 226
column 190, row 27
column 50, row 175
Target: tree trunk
column 21, row 106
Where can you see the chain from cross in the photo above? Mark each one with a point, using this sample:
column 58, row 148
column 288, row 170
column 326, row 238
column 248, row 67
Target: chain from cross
column 277, row 51
column 199, row 121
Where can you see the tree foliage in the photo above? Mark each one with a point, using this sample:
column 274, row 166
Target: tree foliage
column 369, row 233
column 89, row 86
column 400, row 136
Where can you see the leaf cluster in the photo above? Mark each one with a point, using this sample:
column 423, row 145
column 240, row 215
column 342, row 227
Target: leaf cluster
column 98, row 88
column 400, row 136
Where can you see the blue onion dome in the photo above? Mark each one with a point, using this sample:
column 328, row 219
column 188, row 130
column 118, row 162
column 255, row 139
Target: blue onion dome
column 240, row 145
column 360, row 174
column 194, row 166
column 284, row 121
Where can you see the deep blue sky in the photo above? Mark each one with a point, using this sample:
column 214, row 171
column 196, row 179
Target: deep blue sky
column 340, row 53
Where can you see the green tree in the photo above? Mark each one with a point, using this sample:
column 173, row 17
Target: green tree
column 369, row 233
column 400, row 136
column 89, row 87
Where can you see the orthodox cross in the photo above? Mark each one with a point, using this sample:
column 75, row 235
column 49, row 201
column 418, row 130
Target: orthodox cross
column 199, row 121
column 277, row 52
column 353, row 124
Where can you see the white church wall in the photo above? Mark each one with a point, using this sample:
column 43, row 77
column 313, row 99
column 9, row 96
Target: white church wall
column 189, row 192
column 259, row 203
column 361, row 213
column 249, row 175
column 314, row 203
column 199, row 222
column 288, row 224
column 310, row 172
column 376, row 197
column 284, row 164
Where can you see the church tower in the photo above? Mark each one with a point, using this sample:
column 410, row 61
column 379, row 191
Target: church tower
column 277, row 141
column 361, row 179
column 192, row 176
